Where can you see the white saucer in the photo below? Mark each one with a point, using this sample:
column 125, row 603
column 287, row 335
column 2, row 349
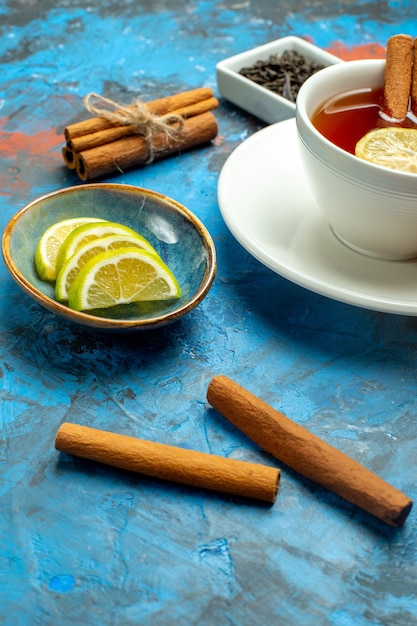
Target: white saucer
column 265, row 202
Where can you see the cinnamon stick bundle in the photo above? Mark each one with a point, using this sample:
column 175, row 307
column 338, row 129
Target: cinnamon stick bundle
column 161, row 106
column 107, row 135
column 117, row 156
column 398, row 74
column 100, row 146
column 306, row 453
column 171, row 463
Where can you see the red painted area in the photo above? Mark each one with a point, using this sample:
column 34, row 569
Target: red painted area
column 26, row 158
column 366, row 51
column 13, row 143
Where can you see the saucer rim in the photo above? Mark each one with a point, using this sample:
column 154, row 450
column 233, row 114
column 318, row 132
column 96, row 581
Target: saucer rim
column 243, row 157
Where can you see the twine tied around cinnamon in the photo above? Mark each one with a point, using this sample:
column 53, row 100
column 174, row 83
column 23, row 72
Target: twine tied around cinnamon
column 100, row 146
column 138, row 115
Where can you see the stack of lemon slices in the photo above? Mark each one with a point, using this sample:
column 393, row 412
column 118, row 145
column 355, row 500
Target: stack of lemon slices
column 98, row 264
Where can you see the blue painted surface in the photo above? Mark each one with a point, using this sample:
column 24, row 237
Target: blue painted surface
column 82, row 543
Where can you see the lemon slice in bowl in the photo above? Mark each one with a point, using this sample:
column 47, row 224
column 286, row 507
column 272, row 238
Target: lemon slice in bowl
column 48, row 247
column 84, row 253
column 120, row 277
column 88, row 232
column 392, row 147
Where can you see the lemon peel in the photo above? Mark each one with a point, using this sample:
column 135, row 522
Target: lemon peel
column 84, row 253
column 121, row 277
column 88, row 232
column 48, row 247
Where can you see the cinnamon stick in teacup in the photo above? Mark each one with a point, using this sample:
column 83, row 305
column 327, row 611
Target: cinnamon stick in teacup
column 307, row 454
column 414, row 82
column 397, row 79
column 180, row 465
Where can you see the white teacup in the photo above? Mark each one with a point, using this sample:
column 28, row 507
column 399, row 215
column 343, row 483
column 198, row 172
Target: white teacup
column 370, row 208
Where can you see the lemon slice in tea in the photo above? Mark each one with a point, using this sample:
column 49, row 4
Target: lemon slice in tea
column 84, row 253
column 120, row 277
column 392, row 147
column 88, row 232
column 47, row 250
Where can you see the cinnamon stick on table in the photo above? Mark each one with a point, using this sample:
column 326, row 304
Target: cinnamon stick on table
column 398, row 73
column 107, row 135
column 179, row 465
column 132, row 151
column 161, row 106
column 69, row 158
column 306, row 453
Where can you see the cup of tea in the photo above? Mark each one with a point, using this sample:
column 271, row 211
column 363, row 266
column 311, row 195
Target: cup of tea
column 370, row 208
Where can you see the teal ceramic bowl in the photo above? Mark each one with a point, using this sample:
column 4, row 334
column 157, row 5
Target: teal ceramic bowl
column 178, row 236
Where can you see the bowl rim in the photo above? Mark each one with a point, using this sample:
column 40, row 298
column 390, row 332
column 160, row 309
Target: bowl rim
column 325, row 56
column 227, row 66
column 95, row 321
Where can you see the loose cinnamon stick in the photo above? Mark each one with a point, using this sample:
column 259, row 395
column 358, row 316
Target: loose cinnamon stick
column 107, row 135
column 397, row 80
column 132, row 151
column 159, row 107
column 306, row 453
column 179, row 465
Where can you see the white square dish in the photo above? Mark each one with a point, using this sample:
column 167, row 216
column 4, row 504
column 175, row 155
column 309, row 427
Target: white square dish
column 256, row 99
